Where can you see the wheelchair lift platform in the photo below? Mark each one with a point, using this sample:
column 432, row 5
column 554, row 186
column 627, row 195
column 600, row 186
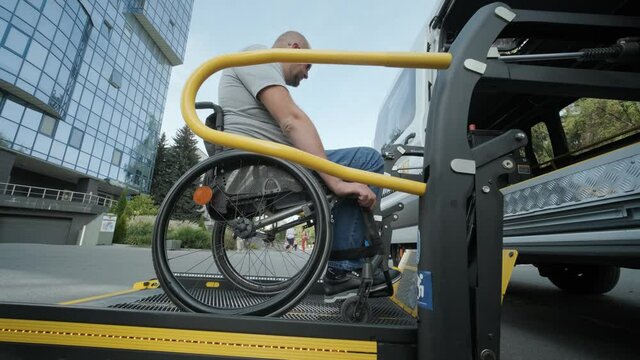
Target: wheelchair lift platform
column 144, row 321
column 148, row 296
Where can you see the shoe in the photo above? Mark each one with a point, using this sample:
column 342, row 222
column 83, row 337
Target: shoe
column 342, row 284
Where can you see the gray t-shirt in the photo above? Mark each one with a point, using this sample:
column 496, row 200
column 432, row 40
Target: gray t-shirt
column 238, row 92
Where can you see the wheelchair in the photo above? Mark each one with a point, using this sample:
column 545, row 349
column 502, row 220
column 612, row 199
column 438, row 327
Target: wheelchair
column 252, row 200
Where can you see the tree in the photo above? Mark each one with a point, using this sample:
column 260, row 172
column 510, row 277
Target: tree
column 120, row 209
column 161, row 179
column 588, row 123
column 182, row 156
column 142, row 205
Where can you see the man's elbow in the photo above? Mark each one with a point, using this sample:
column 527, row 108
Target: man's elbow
column 291, row 124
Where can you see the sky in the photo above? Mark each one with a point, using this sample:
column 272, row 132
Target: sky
column 342, row 101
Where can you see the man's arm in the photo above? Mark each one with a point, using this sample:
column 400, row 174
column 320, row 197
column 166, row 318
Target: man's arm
column 297, row 126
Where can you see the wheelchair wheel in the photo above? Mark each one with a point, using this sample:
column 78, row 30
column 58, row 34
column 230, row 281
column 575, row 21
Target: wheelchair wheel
column 241, row 266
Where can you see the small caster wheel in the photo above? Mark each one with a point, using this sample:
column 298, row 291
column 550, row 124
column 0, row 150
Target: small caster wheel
column 352, row 313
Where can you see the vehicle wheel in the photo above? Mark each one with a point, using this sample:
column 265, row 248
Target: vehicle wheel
column 352, row 313
column 582, row 279
column 244, row 192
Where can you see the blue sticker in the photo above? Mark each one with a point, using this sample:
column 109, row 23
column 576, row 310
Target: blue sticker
column 425, row 290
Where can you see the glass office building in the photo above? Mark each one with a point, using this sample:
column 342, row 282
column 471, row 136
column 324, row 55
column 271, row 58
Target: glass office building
column 82, row 90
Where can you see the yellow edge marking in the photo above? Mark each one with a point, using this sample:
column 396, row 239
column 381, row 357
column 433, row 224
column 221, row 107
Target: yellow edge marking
column 212, row 284
column 182, row 341
column 508, row 263
column 392, row 59
column 141, row 285
column 411, row 311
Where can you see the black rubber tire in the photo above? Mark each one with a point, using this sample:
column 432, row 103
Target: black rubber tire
column 272, row 305
column 583, row 279
column 348, row 310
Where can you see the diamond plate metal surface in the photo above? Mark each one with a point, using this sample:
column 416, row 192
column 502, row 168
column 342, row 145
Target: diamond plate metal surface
column 312, row 308
column 614, row 179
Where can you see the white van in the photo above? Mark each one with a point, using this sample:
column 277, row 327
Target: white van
column 402, row 120
column 574, row 212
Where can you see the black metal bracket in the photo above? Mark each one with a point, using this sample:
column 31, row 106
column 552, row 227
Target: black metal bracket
column 499, row 146
column 493, row 162
column 393, row 152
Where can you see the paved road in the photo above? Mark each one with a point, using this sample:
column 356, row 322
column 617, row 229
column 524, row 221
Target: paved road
column 38, row 273
column 539, row 321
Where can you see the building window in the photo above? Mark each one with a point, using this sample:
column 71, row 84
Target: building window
column 127, row 31
column 75, row 140
column 106, row 29
column 16, row 41
column 116, row 157
column 47, row 125
column 115, row 79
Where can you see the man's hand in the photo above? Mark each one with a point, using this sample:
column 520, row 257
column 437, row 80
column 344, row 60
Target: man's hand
column 366, row 197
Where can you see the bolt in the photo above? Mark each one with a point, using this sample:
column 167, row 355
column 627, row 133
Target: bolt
column 511, row 254
column 486, row 189
column 395, row 217
column 507, row 164
column 520, row 136
column 487, row 354
column 386, row 226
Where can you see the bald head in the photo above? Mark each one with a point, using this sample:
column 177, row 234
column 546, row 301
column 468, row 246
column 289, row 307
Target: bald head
column 293, row 73
column 291, row 39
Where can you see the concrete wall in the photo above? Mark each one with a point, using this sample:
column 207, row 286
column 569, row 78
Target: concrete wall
column 32, row 220
column 6, row 164
column 28, row 178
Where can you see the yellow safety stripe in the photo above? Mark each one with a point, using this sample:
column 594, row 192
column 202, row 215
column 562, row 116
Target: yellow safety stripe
column 393, row 59
column 182, row 341
column 141, row 285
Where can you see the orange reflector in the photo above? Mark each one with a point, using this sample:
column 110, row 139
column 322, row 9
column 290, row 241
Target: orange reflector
column 202, row 195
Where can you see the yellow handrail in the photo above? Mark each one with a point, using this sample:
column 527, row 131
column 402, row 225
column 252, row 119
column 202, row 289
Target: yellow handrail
column 391, row 59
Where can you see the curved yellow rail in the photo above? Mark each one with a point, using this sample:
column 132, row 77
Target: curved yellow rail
column 392, row 59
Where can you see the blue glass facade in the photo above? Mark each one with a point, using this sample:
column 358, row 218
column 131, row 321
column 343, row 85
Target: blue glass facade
column 83, row 83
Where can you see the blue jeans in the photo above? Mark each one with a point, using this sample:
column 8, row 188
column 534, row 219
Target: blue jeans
column 348, row 225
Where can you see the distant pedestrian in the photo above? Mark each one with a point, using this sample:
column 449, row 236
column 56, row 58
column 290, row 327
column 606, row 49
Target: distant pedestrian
column 291, row 239
column 304, row 238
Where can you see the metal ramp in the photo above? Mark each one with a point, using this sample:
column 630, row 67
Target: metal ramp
column 384, row 311
column 311, row 308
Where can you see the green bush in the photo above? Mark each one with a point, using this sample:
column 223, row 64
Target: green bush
column 192, row 236
column 140, row 231
column 142, row 205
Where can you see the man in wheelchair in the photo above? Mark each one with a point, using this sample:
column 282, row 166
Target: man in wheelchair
column 257, row 104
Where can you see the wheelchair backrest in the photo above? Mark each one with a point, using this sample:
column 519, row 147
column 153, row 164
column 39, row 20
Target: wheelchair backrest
column 214, row 121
